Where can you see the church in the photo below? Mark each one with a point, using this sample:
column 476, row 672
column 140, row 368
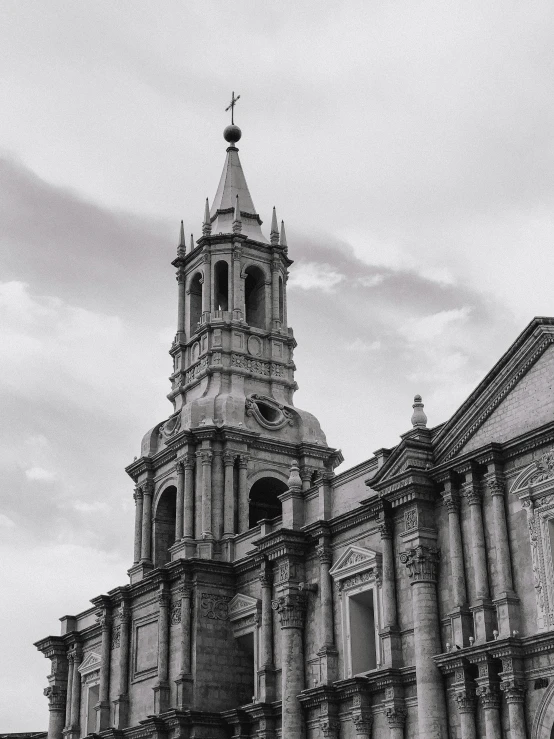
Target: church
column 409, row 597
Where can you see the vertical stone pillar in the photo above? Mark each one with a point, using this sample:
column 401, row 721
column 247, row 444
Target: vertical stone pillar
column 181, row 300
column 73, row 720
column 362, row 717
column 422, row 562
column 218, row 493
column 482, row 609
column 54, row 649
column 244, row 511
column 396, row 719
column 466, row 709
column 207, row 286
column 266, row 673
column 390, row 634
column 461, row 617
column 180, row 501
column 56, row 695
column 490, row 700
column 275, row 294
column 205, row 458
column 188, row 508
column 146, row 543
column 102, row 708
column 71, row 668
column 238, row 302
column 506, row 601
column 291, row 609
column 185, row 680
column 229, row 494
column 514, row 693
column 328, row 655
column 306, row 477
column 137, row 495
column 121, row 703
column 161, row 689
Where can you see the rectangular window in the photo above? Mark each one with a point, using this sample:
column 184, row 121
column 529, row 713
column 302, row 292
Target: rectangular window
column 361, row 612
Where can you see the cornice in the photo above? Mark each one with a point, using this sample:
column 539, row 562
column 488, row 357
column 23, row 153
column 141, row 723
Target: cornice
column 138, row 466
column 282, row 543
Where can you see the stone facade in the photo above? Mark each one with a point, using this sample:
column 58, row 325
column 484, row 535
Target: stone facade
column 409, row 597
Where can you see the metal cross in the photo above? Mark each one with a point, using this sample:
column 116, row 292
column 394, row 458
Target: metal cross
column 231, row 107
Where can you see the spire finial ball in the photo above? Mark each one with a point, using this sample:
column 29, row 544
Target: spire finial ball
column 232, row 134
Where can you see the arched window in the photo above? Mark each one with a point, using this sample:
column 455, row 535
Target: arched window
column 195, row 308
column 281, row 301
column 221, row 286
column 254, row 297
column 164, row 525
column 263, row 500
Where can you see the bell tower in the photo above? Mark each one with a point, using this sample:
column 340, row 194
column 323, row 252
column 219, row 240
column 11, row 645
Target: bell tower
column 226, row 452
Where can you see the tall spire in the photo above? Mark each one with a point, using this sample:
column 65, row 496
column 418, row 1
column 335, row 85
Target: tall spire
column 274, row 234
column 182, row 247
column 231, row 184
column 191, row 242
column 283, row 236
column 207, row 225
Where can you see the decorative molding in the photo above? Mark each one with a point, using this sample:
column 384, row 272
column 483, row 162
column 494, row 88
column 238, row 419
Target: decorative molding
column 422, row 563
column 354, row 561
column 91, row 663
column 215, row 606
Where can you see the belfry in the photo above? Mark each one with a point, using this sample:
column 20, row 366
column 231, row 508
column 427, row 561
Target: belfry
column 409, row 597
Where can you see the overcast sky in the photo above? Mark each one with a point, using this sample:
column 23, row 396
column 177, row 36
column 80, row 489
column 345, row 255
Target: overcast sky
column 409, row 148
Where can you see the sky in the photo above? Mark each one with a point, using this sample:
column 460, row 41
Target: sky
column 409, row 147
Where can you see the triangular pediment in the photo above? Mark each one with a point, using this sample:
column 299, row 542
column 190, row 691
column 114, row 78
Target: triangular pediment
column 242, row 605
column 515, row 397
column 353, row 560
column 90, row 663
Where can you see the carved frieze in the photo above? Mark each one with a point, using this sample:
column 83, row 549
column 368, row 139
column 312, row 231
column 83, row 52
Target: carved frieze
column 214, row 606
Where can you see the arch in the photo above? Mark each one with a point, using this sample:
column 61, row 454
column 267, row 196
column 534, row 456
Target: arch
column 263, row 501
column 281, row 300
column 254, row 296
column 221, row 285
column 195, row 301
column 165, row 514
column 543, row 724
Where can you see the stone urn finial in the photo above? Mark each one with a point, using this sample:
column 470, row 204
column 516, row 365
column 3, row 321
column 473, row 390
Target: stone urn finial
column 294, row 481
column 419, row 419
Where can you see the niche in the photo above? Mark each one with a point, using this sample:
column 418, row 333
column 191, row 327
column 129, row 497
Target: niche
column 221, row 286
column 164, row 525
column 254, row 297
column 281, row 301
column 361, row 625
column 195, row 305
column 263, row 499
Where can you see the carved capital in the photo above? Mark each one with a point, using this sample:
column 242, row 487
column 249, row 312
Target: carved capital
column 243, row 461
column 56, row 695
column 496, row 483
column 466, row 700
column 204, row 457
column 329, row 728
column 396, row 716
column 180, row 276
column 422, row 563
column 137, row 495
column 386, row 528
column 188, row 461
column 229, row 458
column 125, row 612
column 104, row 619
column 514, row 690
column 164, row 598
column 291, row 610
column 471, row 492
column 362, row 721
column 451, row 500
column 148, row 487
column 325, row 554
column 489, row 696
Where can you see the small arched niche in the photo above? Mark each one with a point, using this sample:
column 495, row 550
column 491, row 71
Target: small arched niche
column 263, row 500
column 254, row 296
column 195, row 305
column 164, row 525
column 221, row 286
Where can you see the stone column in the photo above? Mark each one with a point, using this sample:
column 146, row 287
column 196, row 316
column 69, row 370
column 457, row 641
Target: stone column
column 161, row 689
column 188, row 509
column 390, row 635
column 218, row 493
column 185, row 680
column 238, row 302
column 206, row 286
column 461, row 617
column 266, row 673
column 137, row 495
column 507, row 602
column 54, row 649
column 514, row 693
column 275, row 294
column 291, row 609
column 56, row 695
column 490, row 700
column 328, row 655
column 121, row 703
column 229, row 494
column 466, row 709
column 244, row 510
column 180, row 501
column 306, row 477
column 146, row 545
column 205, row 457
column 396, row 718
column 73, row 720
column 181, row 300
column 71, row 668
column 103, row 706
column 482, row 608
column 422, row 563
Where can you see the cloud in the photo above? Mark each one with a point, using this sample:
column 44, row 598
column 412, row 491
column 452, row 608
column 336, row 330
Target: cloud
column 360, row 346
column 314, row 276
column 39, row 473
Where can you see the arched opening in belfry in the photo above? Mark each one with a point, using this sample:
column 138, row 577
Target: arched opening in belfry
column 263, row 500
column 254, row 297
column 221, row 286
column 195, row 305
column 164, row 525
column 281, row 301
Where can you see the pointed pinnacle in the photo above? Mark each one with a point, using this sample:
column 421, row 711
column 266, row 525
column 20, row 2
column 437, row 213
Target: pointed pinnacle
column 182, row 235
column 283, row 235
column 237, row 223
column 274, row 233
column 191, row 242
column 207, row 225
